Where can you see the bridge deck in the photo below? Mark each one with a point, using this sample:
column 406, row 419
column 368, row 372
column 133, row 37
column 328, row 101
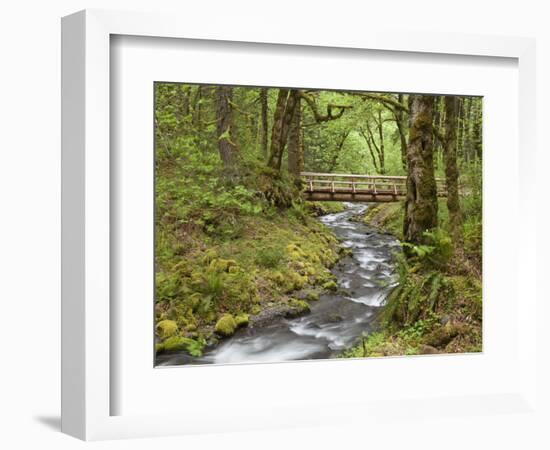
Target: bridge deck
column 358, row 188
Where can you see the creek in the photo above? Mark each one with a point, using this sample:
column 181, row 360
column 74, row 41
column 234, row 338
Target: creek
column 336, row 321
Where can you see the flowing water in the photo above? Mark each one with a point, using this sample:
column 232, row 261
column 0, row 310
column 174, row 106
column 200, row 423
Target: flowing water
column 336, row 320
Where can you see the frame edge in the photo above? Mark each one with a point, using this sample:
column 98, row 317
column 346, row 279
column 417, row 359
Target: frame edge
column 73, row 98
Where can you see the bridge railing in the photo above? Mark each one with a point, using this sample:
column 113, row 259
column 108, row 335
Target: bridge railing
column 352, row 183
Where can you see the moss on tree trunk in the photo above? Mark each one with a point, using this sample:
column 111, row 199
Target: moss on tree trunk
column 421, row 200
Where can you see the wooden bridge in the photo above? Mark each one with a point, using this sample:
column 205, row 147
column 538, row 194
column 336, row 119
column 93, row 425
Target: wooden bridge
column 358, row 188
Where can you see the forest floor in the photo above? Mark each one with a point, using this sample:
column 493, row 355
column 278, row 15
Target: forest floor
column 437, row 307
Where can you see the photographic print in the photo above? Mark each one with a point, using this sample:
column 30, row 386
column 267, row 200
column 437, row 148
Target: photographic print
column 298, row 224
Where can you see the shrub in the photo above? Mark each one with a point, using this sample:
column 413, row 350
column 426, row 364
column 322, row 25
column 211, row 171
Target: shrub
column 417, row 295
column 436, row 251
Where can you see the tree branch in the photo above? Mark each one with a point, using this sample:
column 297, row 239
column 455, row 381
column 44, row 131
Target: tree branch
column 384, row 100
column 315, row 110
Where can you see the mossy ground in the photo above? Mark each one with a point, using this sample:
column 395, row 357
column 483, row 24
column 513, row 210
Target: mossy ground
column 437, row 307
column 208, row 285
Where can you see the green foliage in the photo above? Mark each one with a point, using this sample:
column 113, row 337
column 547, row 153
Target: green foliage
column 417, row 296
column 437, row 251
column 369, row 346
column 269, row 257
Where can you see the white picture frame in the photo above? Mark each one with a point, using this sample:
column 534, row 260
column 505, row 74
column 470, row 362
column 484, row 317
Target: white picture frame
column 87, row 384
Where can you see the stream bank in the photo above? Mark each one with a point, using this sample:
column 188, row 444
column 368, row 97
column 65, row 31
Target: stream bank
column 335, row 321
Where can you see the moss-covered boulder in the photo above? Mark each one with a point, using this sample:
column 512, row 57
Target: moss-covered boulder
column 312, row 296
column 226, row 325
column 439, row 337
column 298, row 307
column 241, row 320
column 166, row 328
column 178, row 344
column 330, row 286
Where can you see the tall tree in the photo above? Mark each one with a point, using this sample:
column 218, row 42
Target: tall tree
column 451, row 168
column 421, row 199
column 467, row 134
column 370, row 146
column 401, row 119
column 284, row 110
column 338, row 150
column 295, row 143
column 224, row 125
column 476, row 129
column 263, row 121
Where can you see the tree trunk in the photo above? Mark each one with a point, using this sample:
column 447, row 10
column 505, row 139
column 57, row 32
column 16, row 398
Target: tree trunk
column 224, row 121
column 371, row 151
column 339, row 146
column 185, row 100
column 286, row 104
column 371, row 142
column 421, row 200
column 451, row 169
column 263, row 135
column 401, row 122
column 381, row 155
column 197, row 116
column 295, row 147
column 476, row 132
column 277, row 127
column 460, row 125
column 467, row 129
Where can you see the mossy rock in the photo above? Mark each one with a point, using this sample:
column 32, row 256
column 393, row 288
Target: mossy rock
column 226, row 325
column 312, row 296
column 166, row 328
column 441, row 336
column 294, row 281
column 330, row 286
column 178, row 344
column 299, row 306
column 241, row 320
column 256, row 309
